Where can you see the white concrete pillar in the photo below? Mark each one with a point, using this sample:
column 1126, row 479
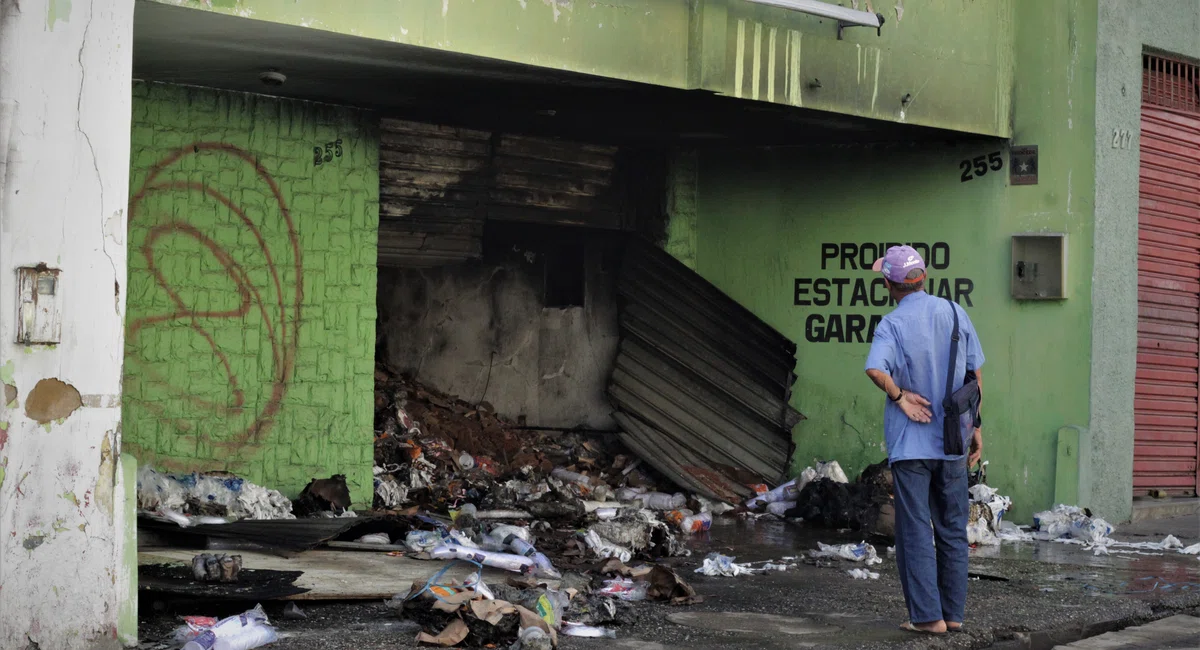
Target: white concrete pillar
column 65, row 98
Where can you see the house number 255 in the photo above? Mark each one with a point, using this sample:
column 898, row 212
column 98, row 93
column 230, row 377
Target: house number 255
column 328, row 153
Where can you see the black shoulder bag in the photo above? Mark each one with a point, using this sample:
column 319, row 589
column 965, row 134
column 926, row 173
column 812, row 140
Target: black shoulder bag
column 961, row 402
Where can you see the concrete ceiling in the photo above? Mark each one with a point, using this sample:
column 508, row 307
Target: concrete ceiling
column 187, row 46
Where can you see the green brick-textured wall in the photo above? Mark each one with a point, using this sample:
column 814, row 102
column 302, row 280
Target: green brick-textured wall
column 250, row 340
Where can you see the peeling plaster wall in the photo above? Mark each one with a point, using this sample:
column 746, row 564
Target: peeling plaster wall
column 65, row 82
column 480, row 332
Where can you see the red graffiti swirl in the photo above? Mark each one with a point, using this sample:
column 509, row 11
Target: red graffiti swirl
column 281, row 317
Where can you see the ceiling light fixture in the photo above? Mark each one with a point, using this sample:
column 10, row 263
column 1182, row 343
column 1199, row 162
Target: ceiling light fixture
column 845, row 17
column 273, row 78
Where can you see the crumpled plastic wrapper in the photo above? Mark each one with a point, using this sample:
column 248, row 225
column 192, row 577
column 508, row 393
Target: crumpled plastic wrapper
column 723, row 565
column 208, row 495
column 861, row 552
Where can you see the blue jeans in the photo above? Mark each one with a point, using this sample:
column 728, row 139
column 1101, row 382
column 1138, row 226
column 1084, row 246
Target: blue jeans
column 934, row 578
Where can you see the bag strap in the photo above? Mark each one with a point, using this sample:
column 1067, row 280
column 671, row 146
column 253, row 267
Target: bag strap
column 953, row 356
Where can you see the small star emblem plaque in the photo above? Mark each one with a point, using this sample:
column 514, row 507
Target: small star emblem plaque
column 1023, row 165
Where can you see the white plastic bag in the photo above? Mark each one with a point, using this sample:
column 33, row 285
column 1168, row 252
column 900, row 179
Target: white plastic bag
column 780, row 507
column 1091, row 530
column 832, row 471
column 786, row 492
column 861, row 552
column 723, row 565
column 242, row 632
column 578, row 629
column 418, row 541
column 605, row 549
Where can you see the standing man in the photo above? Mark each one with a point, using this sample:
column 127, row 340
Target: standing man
column 909, row 361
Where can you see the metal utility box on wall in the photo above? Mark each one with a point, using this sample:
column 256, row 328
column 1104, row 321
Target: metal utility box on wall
column 1039, row 266
column 39, row 306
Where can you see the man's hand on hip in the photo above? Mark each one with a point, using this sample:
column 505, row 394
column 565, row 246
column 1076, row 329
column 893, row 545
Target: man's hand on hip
column 915, row 407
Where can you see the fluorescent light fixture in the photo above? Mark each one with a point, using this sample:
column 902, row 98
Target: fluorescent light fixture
column 845, row 17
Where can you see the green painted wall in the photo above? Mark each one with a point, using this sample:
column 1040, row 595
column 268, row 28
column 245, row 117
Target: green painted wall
column 251, row 299
column 762, row 218
column 1126, row 28
column 952, row 58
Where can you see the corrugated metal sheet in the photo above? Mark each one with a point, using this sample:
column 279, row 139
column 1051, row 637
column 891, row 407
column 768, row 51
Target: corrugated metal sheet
column 1167, row 429
column 273, row 535
column 439, row 184
column 701, row 385
column 1171, row 83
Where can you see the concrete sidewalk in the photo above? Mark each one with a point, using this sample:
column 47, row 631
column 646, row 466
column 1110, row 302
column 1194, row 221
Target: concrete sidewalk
column 1031, row 596
column 1168, row 633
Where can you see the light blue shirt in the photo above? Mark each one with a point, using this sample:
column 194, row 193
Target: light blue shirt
column 912, row 344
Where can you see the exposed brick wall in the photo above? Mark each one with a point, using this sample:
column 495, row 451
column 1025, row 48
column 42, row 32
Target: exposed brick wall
column 250, row 340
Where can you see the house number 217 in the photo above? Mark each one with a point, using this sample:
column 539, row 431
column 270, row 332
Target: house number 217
column 1122, row 139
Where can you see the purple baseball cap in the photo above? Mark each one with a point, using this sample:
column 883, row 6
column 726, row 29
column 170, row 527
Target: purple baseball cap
column 898, row 262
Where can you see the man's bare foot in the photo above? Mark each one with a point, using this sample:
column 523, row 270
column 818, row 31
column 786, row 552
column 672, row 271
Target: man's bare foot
column 936, row 627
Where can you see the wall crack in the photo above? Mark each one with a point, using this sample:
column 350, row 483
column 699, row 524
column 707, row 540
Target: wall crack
column 95, row 161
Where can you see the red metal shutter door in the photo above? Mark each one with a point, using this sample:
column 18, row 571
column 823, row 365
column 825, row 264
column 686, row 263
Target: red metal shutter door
column 1167, row 434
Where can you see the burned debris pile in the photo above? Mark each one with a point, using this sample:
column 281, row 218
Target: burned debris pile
column 823, row 496
column 436, row 453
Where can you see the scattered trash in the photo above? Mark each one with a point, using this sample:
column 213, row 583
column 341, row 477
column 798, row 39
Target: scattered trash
column 822, row 496
column 389, row 493
column 832, row 471
column 421, row 541
column 666, row 585
column 451, row 613
column 624, row 589
column 579, row 629
column 243, row 632
column 207, row 567
column 606, row 549
column 381, row 539
column 698, row 523
column 1194, row 549
column 212, row 498
column 323, row 497
column 1064, row 520
column 193, row 626
column 784, row 493
column 714, row 507
column 505, row 561
column 533, row 638
column 453, row 634
column 722, row 565
column 861, row 552
column 660, row 501
column 780, row 508
column 293, row 612
column 986, row 515
column 863, row 574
